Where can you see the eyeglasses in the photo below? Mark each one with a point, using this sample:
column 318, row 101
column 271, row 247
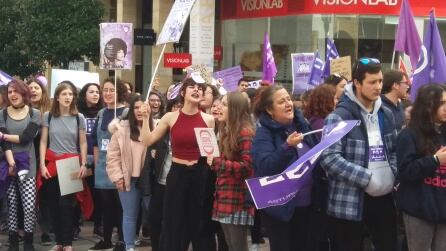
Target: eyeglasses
column 406, row 83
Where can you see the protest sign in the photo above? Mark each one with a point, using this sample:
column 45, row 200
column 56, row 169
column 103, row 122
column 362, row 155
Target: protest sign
column 230, row 77
column 255, row 84
column 281, row 188
column 116, row 45
column 207, row 142
column 301, row 64
column 65, row 169
column 174, row 25
column 342, row 66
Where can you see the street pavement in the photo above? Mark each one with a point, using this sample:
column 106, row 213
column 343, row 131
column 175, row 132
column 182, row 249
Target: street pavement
column 87, row 240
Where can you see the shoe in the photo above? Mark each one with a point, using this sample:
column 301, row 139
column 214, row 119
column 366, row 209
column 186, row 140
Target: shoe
column 57, row 248
column 254, row 247
column 119, row 246
column 28, row 242
column 67, row 248
column 76, row 233
column 45, row 239
column 102, row 245
column 13, row 241
column 99, row 231
column 137, row 241
column 131, row 249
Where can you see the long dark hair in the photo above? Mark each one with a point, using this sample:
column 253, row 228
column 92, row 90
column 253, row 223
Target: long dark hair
column 82, row 105
column 424, row 110
column 134, row 130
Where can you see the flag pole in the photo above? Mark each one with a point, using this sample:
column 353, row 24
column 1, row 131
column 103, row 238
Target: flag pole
column 393, row 60
column 155, row 71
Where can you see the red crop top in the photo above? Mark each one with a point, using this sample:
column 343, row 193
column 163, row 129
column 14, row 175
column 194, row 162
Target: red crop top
column 182, row 135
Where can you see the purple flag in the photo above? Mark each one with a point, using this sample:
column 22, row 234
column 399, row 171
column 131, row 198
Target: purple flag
column 4, row 78
column 332, row 53
column 316, row 70
column 432, row 63
column 281, row 188
column 407, row 39
column 269, row 66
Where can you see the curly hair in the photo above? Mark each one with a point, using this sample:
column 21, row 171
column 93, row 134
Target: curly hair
column 321, row 101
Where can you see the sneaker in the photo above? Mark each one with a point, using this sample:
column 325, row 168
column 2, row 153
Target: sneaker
column 57, row 248
column 76, row 233
column 102, row 245
column 131, row 249
column 119, row 246
column 68, row 248
column 254, row 247
column 45, row 240
column 137, row 241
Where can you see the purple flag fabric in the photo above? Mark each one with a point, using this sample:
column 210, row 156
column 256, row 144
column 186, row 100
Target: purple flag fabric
column 281, row 188
column 332, row 53
column 316, row 70
column 407, row 39
column 4, row 78
column 269, row 66
column 432, row 63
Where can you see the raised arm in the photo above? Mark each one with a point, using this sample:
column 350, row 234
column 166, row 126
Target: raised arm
column 148, row 137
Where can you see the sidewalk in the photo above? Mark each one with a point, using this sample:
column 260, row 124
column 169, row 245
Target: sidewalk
column 86, row 240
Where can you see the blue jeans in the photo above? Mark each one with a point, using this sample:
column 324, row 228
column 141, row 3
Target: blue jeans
column 130, row 201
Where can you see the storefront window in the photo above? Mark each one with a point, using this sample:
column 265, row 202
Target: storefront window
column 354, row 35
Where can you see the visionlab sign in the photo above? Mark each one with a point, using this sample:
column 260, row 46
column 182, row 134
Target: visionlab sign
column 177, row 60
column 270, row 8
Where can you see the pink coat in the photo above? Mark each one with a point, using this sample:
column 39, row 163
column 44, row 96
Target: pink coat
column 125, row 157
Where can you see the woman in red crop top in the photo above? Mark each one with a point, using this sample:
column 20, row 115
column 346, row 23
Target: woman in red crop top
column 184, row 194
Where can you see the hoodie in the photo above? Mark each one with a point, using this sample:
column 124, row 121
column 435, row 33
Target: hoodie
column 347, row 161
column 382, row 179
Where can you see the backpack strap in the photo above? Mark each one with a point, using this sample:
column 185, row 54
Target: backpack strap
column 5, row 113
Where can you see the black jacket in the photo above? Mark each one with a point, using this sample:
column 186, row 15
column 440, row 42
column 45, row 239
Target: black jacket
column 422, row 189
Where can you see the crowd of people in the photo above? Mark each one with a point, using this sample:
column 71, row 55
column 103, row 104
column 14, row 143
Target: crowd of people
column 142, row 168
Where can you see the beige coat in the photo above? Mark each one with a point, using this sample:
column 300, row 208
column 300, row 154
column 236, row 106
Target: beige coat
column 123, row 154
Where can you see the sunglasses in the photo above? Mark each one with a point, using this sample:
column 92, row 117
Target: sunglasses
column 367, row 61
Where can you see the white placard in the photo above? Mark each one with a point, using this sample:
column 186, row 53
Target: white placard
column 65, row 169
column 79, row 78
column 201, row 35
column 174, row 25
column 207, row 142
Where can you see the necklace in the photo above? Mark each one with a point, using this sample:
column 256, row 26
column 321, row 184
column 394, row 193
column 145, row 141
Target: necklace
column 17, row 112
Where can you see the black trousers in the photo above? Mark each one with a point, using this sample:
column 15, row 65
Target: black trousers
column 156, row 214
column 288, row 236
column 112, row 213
column 62, row 211
column 183, row 214
column 379, row 219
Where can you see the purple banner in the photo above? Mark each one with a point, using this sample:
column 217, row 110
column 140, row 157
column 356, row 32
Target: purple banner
column 230, row 77
column 281, row 188
column 116, row 45
column 301, row 64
